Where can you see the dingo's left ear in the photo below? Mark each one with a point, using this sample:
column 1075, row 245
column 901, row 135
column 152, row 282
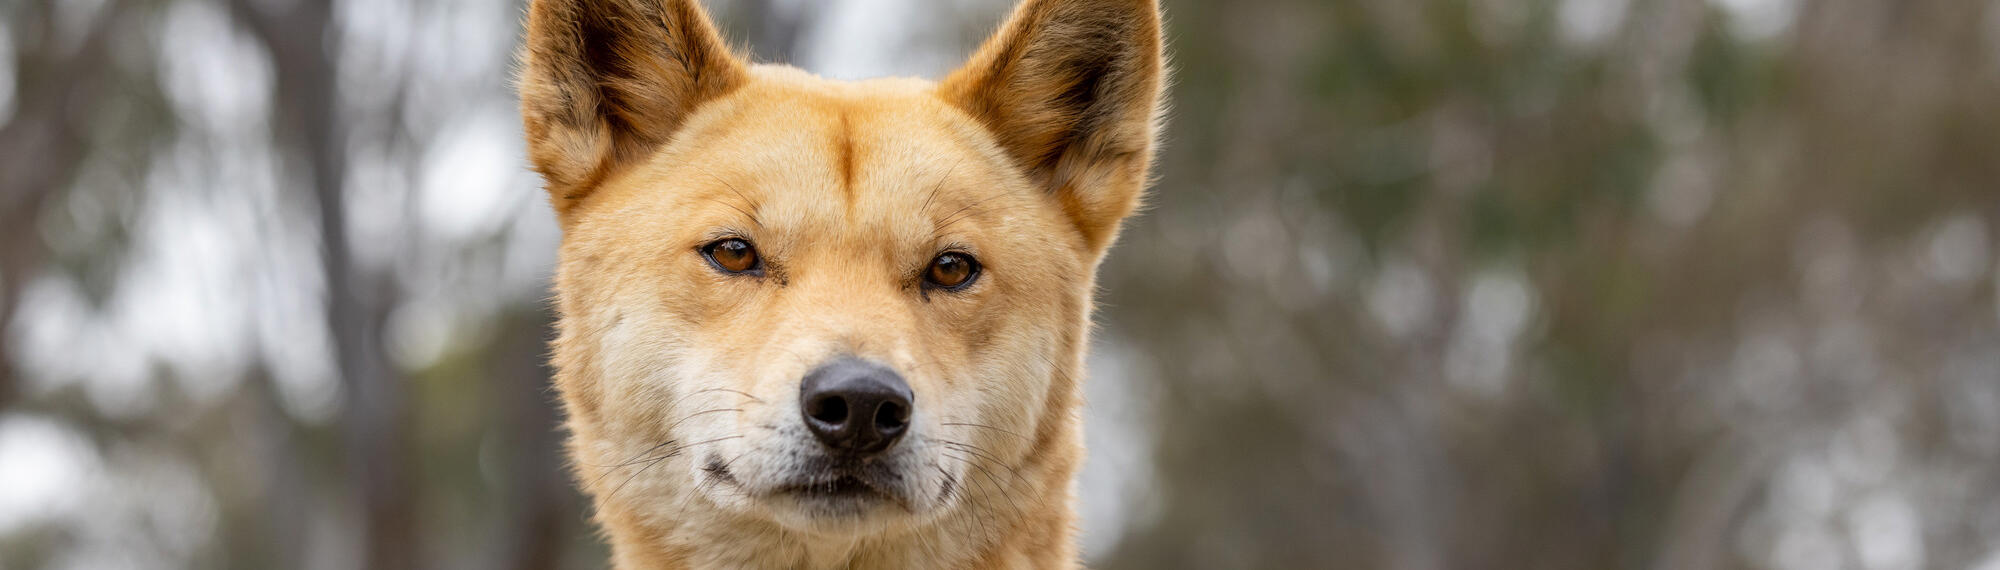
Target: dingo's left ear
column 1071, row 90
column 605, row 82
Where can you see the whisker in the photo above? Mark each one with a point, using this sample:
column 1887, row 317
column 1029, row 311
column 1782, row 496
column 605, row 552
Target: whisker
column 950, row 488
column 640, row 457
column 691, row 445
column 987, row 455
column 656, row 458
column 991, row 479
column 1023, row 437
column 643, row 453
column 662, row 459
column 708, row 482
column 635, row 475
column 940, row 186
column 677, row 423
column 983, row 517
column 954, row 216
column 730, row 390
column 746, row 214
column 739, row 194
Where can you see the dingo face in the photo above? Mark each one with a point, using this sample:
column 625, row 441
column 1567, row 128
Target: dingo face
column 800, row 229
column 804, row 320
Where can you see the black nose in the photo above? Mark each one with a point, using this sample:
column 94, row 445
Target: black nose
column 854, row 406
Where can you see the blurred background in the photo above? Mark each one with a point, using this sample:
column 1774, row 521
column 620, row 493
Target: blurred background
column 1425, row 284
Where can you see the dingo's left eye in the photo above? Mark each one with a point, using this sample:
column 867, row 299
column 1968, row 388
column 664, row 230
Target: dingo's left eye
column 951, row 270
column 732, row 255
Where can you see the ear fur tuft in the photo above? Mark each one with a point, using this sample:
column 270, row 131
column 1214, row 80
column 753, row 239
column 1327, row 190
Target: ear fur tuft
column 604, row 82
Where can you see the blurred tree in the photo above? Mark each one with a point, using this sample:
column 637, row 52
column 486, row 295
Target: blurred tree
column 1563, row 284
column 1484, row 284
column 303, row 42
column 59, row 80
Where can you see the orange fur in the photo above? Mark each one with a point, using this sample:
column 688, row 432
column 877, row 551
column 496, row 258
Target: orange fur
column 655, row 140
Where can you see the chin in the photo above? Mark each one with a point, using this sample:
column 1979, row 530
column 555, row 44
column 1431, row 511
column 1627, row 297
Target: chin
column 828, row 494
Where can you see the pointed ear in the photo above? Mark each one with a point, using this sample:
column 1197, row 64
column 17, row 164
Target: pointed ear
column 605, row 82
column 1071, row 89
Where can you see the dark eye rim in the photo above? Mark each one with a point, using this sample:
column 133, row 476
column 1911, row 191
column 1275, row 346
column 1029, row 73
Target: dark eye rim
column 972, row 275
column 707, row 251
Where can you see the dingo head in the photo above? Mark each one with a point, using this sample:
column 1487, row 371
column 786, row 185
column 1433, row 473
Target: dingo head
column 828, row 305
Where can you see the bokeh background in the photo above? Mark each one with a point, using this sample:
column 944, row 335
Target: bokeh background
column 1425, row 284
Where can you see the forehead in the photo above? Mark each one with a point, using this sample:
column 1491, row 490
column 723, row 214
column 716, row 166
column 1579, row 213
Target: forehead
column 879, row 158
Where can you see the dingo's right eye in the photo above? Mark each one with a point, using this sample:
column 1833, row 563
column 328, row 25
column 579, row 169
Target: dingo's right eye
column 732, row 255
column 951, row 271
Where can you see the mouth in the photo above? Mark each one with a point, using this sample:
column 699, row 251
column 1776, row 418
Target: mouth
column 843, row 491
column 827, row 490
column 839, row 488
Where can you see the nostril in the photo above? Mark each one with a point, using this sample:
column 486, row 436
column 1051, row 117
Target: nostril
column 891, row 416
column 855, row 407
column 831, row 409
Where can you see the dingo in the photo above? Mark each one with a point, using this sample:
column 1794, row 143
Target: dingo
column 820, row 324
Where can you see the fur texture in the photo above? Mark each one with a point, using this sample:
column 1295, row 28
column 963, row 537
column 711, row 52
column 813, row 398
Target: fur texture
column 681, row 381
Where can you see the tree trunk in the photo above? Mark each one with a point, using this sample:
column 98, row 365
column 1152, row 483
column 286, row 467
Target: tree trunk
column 374, row 417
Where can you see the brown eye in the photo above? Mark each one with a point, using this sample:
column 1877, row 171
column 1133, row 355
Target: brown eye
column 732, row 255
column 951, row 270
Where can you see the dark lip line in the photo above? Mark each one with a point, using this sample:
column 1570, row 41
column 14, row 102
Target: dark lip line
column 811, row 487
column 718, row 471
column 807, row 489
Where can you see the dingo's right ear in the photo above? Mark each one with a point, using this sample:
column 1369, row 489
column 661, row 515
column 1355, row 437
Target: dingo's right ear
column 604, row 82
